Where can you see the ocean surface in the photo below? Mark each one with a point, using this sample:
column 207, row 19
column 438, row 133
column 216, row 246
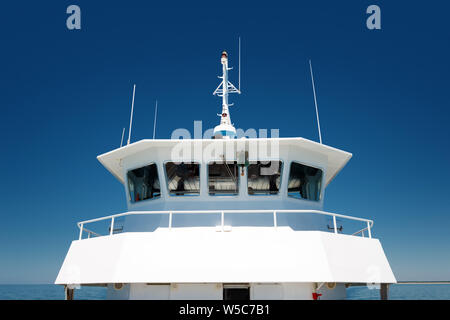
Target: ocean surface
column 396, row 292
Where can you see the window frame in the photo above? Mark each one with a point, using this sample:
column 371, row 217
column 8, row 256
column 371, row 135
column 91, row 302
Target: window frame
column 322, row 186
column 128, row 183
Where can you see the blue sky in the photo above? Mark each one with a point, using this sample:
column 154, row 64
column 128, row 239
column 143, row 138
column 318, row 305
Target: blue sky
column 65, row 97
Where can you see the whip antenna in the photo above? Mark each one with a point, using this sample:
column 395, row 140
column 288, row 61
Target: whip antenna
column 239, row 84
column 131, row 116
column 121, row 141
column 154, row 122
column 315, row 101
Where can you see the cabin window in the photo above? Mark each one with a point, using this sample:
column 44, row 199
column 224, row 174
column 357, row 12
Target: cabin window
column 223, row 178
column 183, row 178
column 304, row 182
column 143, row 183
column 264, row 177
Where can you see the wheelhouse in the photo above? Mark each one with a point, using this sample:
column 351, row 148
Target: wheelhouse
column 159, row 174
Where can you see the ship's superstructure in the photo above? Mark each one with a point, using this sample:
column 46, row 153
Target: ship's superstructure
column 225, row 218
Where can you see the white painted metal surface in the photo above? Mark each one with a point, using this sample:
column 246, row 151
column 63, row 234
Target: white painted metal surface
column 225, row 128
column 246, row 254
column 82, row 224
column 214, row 291
column 300, row 149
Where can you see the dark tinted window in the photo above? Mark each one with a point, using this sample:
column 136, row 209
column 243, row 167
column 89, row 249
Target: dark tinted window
column 143, row 183
column 304, row 182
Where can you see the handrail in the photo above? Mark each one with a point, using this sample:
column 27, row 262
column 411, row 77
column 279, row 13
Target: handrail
column 360, row 231
column 222, row 213
column 89, row 232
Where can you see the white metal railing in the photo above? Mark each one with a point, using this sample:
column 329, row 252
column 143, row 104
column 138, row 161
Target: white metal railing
column 362, row 232
column 222, row 213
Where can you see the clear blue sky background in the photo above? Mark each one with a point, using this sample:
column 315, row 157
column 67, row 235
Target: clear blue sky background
column 65, row 97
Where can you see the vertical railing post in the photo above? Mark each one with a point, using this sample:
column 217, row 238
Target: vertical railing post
column 170, row 220
column 222, row 219
column 112, row 227
column 384, row 291
column 81, row 232
column 368, row 230
column 275, row 219
column 334, row 224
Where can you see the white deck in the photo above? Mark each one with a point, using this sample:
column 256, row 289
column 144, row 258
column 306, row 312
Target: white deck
column 245, row 254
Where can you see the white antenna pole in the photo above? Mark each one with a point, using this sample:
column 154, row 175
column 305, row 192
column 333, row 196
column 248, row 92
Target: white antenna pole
column 315, row 101
column 131, row 116
column 121, row 141
column 225, row 87
column 154, row 122
column 239, row 84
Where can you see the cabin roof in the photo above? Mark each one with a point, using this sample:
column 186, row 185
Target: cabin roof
column 112, row 161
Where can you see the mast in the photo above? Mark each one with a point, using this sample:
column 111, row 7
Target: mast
column 225, row 129
column 225, row 117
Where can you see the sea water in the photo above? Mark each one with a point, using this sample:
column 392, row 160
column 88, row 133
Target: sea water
column 396, row 292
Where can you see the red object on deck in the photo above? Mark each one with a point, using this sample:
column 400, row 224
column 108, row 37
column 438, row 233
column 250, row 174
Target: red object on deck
column 316, row 295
